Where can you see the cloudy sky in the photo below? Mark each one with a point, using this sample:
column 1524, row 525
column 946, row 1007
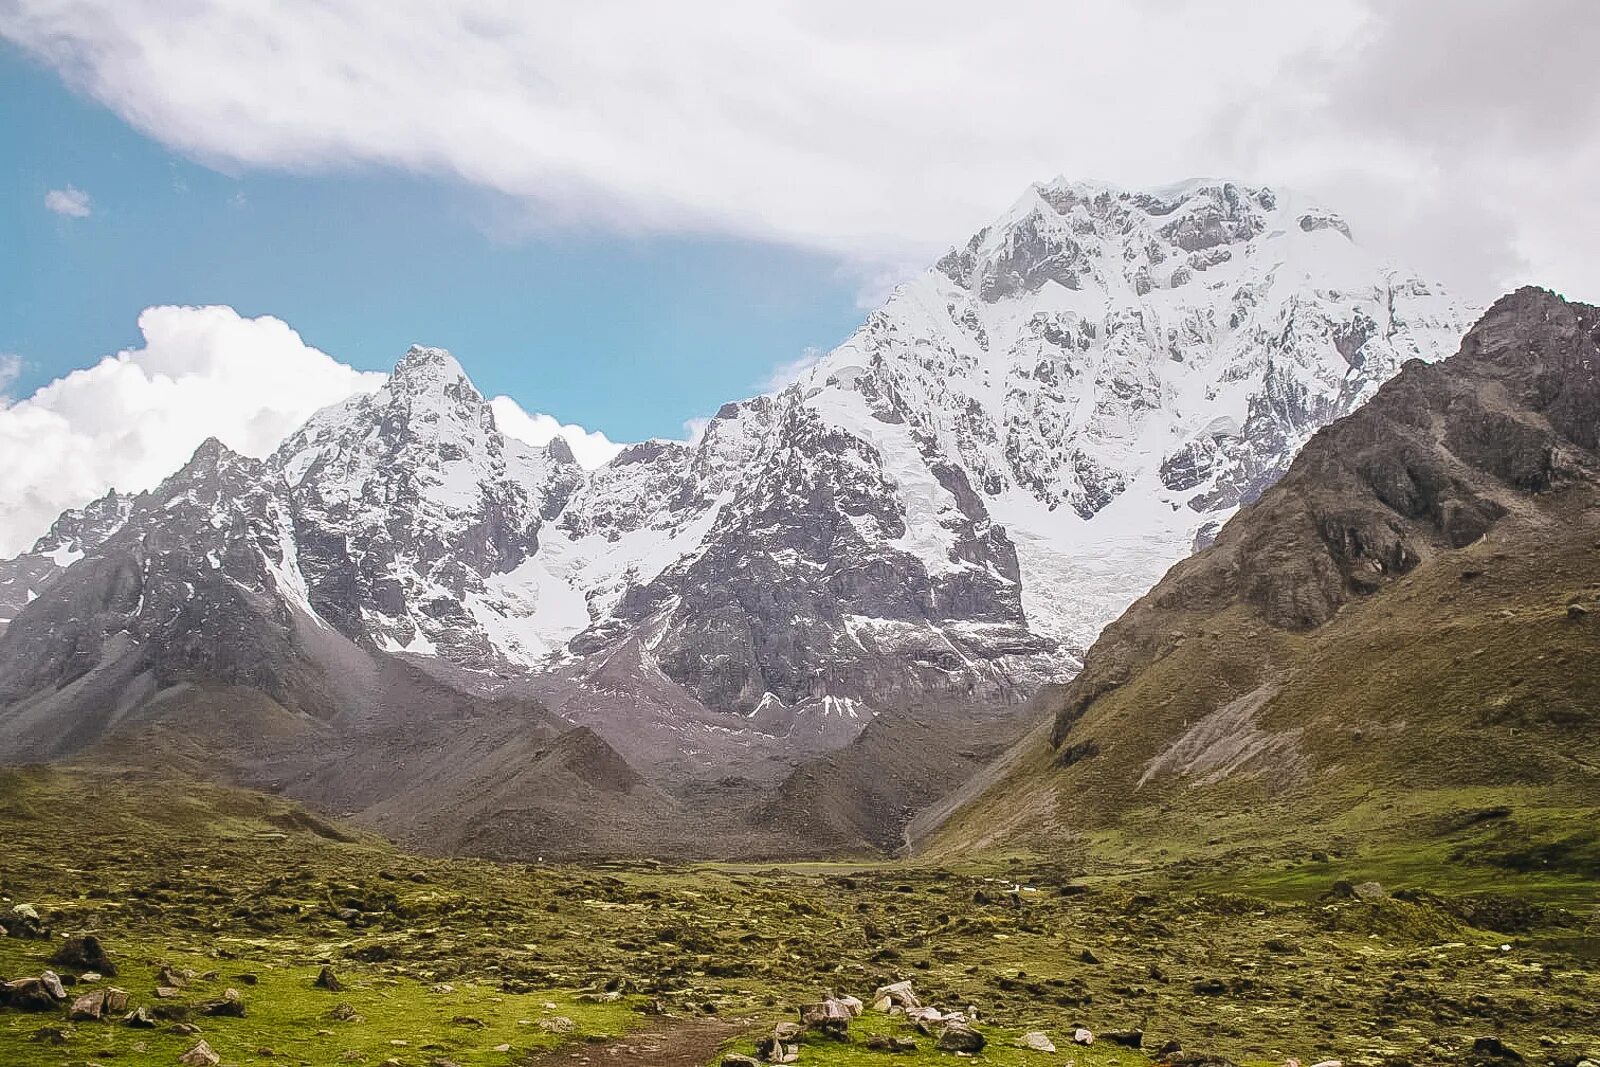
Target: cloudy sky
column 682, row 198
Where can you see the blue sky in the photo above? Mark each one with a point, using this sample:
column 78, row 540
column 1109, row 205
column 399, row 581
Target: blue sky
column 624, row 214
column 631, row 335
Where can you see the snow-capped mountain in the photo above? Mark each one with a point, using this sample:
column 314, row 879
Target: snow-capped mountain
column 1116, row 371
column 418, row 522
column 75, row 533
column 947, row 507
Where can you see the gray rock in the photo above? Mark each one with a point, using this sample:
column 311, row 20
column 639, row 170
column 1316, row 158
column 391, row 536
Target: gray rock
column 959, row 1037
column 88, row 1008
column 201, row 1055
column 1036, row 1040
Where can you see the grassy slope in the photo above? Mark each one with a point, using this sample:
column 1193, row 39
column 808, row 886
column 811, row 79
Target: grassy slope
column 238, row 883
column 1403, row 725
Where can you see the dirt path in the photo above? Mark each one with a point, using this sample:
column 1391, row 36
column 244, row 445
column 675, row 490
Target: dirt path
column 664, row 1043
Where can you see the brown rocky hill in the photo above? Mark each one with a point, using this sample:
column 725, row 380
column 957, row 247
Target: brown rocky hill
column 1400, row 634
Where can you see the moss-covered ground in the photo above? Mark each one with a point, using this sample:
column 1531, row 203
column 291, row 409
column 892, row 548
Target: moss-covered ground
column 474, row 963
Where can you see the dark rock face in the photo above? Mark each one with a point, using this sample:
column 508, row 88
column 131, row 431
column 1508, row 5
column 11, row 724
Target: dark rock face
column 1227, row 217
column 406, row 500
column 192, row 587
column 766, row 610
column 1440, row 455
column 74, row 534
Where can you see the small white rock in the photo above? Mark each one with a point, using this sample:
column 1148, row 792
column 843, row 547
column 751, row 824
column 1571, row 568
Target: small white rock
column 1083, row 1036
column 1037, row 1040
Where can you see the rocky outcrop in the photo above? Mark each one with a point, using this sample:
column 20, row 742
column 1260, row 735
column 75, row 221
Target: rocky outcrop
column 1437, row 457
column 76, row 533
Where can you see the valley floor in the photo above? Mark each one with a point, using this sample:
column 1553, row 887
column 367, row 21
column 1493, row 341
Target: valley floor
column 200, row 890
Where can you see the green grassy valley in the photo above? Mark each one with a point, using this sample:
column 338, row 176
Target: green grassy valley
column 1221, row 952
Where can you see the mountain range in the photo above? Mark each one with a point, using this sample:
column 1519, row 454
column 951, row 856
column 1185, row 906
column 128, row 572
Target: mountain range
column 405, row 615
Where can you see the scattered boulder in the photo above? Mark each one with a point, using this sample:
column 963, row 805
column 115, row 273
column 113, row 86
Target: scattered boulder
column 959, row 1037
column 1037, row 1040
column 1083, row 1036
column 90, row 1007
column 51, row 1035
column 735, row 1060
column 884, row 1043
column 895, row 995
column 326, row 979
column 84, row 954
column 29, row 994
column 557, row 1024
column 230, row 1005
column 1126, row 1038
column 139, row 1019
column 830, row 1017
column 1494, row 1049
column 1371, row 892
column 25, row 923
column 52, row 982
column 200, row 1056
column 780, row 1045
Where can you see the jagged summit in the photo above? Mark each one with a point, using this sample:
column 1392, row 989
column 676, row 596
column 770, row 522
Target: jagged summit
column 426, row 364
column 1116, row 370
column 1092, row 235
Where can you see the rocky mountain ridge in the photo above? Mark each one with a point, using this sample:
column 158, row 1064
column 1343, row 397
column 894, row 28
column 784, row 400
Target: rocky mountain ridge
column 1400, row 627
column 945, row 510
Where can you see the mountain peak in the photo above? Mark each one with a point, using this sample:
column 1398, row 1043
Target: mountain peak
column 211, row 454
column 427, row 368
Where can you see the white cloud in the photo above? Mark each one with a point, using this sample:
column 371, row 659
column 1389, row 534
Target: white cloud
column 786, row 374
column 695, row 428
column 591, row 448
column 71, row 202
column 884, row 132
column 10, row 371
column 135, row 417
